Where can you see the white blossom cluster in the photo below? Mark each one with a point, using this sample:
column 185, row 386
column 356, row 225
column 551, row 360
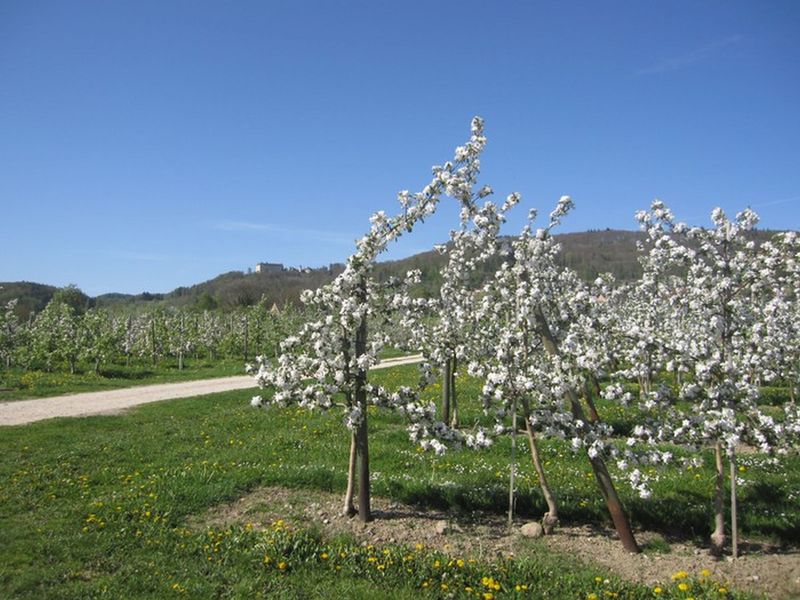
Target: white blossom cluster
column 320, row 368
column 717, row 310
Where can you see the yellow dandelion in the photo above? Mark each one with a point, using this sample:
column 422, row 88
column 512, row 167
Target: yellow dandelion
column 657, row 590
column 683, row 586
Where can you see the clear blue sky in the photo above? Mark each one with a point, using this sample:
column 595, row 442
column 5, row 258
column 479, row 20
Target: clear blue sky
column 151, row 144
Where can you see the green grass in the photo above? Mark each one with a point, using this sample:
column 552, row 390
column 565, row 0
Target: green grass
column 16, row 384
column 98, row 506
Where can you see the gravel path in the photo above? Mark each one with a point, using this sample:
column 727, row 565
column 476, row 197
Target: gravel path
column 21, row 412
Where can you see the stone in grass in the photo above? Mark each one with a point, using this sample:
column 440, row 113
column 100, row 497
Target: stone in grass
column 442, row 527
column 532, row 530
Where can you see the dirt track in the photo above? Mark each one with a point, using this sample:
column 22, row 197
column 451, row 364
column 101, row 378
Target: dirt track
column 21, row 412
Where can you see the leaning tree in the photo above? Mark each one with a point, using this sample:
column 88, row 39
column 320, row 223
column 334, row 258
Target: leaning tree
column 546, row 348
column 325, row 364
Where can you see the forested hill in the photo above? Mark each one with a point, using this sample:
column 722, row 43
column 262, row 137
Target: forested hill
column 31, row 297
column 589, row 253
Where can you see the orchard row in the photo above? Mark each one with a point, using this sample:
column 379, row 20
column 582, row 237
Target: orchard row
column 62, row 338
column 713, row 318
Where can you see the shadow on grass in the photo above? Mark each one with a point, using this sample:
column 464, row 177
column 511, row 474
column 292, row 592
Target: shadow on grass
column 126, row 374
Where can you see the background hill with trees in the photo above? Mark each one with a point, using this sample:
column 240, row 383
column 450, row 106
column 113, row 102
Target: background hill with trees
column 588, row 253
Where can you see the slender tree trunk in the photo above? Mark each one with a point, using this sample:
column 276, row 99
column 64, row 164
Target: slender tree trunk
column 180, row 347
column 718, row 536
column 454, row 422
column 362, row 442
column 153, row 340
column 604, row 481
column 734, row 522
column 349, row 509
column 550, row 519
column 591, row 383
column 446, row 391
column 246, row 339
column 512, row 472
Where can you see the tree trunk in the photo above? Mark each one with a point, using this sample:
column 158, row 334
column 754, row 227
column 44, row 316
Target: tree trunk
column 246, row 339
column 512, row 472
column 604, row 481
column 588, row 386
column 550, row 518
column 153, row 340
column 349, row 509
column 454, row 423
column 181, row 345
column 362, row 442
column 718, row 536
column 446, row 391
column 734, row 522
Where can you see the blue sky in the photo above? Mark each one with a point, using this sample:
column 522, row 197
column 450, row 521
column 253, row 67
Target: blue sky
column 148, row 145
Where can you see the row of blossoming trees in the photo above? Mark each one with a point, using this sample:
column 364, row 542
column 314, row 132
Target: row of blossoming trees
column 713, row 317
column 62, row 338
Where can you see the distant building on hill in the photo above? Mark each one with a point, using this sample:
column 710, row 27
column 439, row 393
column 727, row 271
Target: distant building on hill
column 269, row 267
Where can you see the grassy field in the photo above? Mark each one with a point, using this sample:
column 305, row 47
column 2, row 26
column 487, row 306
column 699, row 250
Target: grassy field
column 17, row 384
column 99, row 507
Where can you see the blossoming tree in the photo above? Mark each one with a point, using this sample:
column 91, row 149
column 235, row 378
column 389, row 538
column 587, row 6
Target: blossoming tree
column 330, row 356
column 544, row 351
column 724, row 280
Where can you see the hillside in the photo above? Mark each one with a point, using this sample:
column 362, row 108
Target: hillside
column 31, row 297
column 589, row 253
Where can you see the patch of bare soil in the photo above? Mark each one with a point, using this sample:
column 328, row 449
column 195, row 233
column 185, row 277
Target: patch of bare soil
column 762, row 569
